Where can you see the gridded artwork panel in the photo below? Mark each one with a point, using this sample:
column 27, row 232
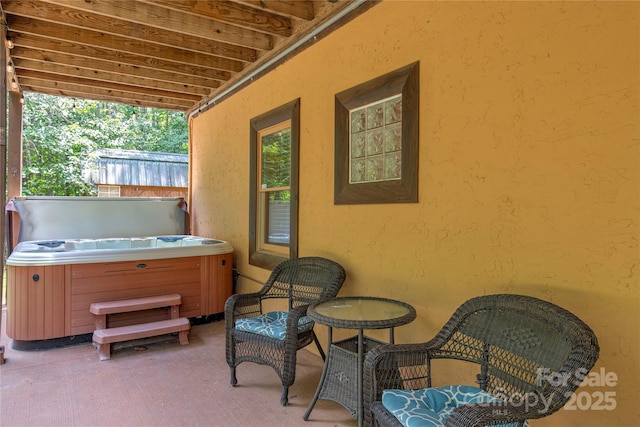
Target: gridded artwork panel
column 375, row 140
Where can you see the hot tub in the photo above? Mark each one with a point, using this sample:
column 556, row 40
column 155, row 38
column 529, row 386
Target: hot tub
column 74, row 251
column 84, row 251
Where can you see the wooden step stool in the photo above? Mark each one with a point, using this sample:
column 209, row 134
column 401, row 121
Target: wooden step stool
column 104, row 337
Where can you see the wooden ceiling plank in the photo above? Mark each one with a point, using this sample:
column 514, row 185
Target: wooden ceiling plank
column 90, row 52
column 106, row 85
column 122, row 44
column 232, row 13
column 111, row 67
column 105, row 97
column 82, row 19
column 47, row 67
column 298, row 9
column 90, row 91
column 168, row 19
column 157, row 52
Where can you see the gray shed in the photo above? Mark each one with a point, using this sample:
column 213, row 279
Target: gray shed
column 140, row 173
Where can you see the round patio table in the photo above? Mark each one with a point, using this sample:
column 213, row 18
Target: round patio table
column 345, row 358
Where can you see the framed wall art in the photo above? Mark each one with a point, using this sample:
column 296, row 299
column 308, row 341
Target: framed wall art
column 376, row 140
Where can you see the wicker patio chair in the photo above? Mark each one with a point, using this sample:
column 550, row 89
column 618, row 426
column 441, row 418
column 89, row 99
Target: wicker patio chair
column 531, row 356
column 273, row 338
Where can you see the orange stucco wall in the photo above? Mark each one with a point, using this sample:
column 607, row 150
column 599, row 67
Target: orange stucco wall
column 529, row 168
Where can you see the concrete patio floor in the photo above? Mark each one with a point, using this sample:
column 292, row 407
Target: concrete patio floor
column 159, row 384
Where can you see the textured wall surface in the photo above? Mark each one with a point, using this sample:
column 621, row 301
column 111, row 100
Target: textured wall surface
column 529, row 169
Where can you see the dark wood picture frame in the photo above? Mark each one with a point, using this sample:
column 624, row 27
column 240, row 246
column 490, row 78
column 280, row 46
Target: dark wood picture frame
column 404, row 82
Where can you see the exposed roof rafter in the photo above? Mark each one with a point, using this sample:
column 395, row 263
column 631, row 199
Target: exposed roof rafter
column 172, row 54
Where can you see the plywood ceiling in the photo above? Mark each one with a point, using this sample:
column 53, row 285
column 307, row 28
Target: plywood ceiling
column 173, row 54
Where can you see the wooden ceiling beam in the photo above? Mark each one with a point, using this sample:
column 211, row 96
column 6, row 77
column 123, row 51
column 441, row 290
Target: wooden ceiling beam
column 90, row 52
column 117, row 43
column 62, row 79
column 100, row 65
column 96, row 95
column 168, row 19
column 176, row 54
column 64, row 70
column 233, row 13
column 118, row 27
column 114, row 93
column 299, row 9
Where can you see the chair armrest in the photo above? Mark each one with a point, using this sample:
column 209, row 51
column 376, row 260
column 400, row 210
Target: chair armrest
column 243, row 305
column 384, row 418
column 239, row 306
column 292, row 321
column 398, row 366
column 296, row 313
column 394, row 366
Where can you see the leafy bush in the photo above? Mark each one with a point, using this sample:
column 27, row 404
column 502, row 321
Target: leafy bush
column 59, row 135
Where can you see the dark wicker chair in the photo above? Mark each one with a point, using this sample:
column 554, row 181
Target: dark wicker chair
column 301, row 281
column 530, row 353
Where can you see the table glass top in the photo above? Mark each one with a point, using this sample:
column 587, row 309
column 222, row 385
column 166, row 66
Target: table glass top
column 362, row 309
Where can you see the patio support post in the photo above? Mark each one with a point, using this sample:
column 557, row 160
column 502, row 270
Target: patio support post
column 3, row 156
column 14, row 145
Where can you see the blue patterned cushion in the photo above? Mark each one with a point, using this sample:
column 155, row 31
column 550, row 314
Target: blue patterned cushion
column 430, row 407
column 272, row 324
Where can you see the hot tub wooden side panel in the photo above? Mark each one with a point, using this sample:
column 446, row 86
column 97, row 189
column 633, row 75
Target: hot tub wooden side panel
column 36, row 302
column 57, row 304
column 133, row 279
column 219, row 270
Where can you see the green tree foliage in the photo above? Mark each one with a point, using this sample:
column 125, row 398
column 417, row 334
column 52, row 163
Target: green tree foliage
column 60, row 134
column 276, row 163
column 276, row 159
